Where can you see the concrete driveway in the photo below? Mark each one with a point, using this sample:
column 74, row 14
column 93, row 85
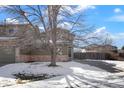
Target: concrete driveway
column 109, row 67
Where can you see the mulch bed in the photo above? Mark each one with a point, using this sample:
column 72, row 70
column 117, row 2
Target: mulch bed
column 32, row 77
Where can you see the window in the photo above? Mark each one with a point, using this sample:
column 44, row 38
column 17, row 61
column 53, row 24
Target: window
column 11, row 30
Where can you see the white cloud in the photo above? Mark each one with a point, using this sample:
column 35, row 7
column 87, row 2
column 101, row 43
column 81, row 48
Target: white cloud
column 10, row 20
column 72, row 11
column 121, row 34
column 100, row 30
column 99, row 33
column 66, row 25
column 117, row 18
column 117, row 10
column 103, row 31
column 79, row 8
column 15, row 21
column 83, row 7
column 91, row 7
column 118, row 36
column 41, row 28
column 118, row 39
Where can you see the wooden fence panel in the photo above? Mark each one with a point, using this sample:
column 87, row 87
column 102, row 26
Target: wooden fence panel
column 91, row 55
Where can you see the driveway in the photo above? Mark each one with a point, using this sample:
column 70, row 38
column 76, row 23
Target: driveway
column 109, row 67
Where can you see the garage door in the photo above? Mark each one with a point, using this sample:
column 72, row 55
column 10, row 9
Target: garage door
column 7, row 55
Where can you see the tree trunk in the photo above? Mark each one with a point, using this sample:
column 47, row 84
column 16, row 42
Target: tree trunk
column 53, row 48
column 53, row 56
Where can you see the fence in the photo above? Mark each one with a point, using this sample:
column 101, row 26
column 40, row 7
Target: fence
column 91, row 55
column 121, row 55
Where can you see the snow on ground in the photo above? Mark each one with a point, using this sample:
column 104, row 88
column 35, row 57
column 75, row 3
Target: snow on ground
column 117, row 63
column 71, row 74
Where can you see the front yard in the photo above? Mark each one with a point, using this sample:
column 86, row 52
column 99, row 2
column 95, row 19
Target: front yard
column 73, row 74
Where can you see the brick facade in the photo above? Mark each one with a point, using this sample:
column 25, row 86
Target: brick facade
column 30, row 58
column 41, row 58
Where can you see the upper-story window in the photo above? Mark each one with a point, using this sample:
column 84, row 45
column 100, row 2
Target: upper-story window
column 11, row 31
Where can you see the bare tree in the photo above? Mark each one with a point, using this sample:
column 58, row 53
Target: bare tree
column 50, row 18
column 105, row 39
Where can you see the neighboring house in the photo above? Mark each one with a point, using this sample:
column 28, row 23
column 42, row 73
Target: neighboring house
column 96, row 52
column 11, row 53
column 121, row 53
column 79, row 50
column 100, row 48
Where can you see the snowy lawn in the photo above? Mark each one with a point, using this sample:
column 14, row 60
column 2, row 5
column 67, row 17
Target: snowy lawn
column 67, row 75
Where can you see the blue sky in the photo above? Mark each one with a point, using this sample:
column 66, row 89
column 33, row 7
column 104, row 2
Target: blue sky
column 110, row 19
column 106, row 18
